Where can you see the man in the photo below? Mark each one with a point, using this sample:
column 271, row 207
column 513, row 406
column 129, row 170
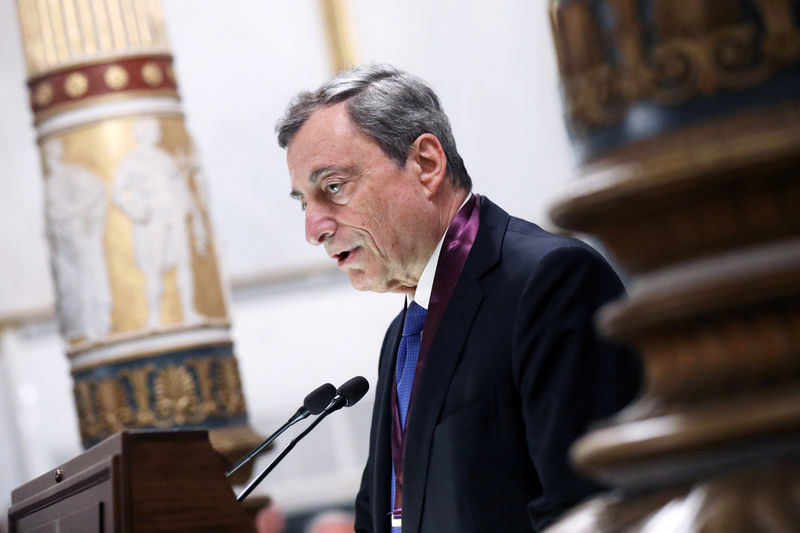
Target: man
column 474, row 413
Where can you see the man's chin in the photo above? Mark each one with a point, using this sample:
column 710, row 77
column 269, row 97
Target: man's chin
column 361, row 282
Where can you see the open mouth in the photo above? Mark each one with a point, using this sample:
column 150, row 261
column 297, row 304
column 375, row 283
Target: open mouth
column 342, row 257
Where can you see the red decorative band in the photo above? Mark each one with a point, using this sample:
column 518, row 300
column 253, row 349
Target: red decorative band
column 119, row 76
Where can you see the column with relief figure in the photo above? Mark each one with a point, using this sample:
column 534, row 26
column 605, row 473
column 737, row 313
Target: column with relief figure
column 140, row 301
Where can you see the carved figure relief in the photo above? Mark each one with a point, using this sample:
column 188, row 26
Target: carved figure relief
column 76, row 206
column 187, row 162
column 153, row 191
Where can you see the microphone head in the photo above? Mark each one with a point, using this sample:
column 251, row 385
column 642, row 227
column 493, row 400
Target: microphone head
column 353, row 390
column 318, row 399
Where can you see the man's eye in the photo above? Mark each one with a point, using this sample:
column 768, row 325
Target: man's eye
column 333, row 187
column 303, row 205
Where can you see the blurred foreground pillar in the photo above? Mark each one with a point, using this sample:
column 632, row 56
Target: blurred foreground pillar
column 140, row 299
column 685, row 115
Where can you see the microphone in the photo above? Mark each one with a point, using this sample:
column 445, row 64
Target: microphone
column 348, row 394
column 314, row 403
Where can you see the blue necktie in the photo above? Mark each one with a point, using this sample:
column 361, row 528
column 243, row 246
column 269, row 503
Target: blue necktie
column 407, row 355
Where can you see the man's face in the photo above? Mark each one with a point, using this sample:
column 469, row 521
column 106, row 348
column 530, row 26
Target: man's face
column 372, row 217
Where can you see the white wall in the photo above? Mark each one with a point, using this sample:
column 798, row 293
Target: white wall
column 24, row 274
column 238, row 63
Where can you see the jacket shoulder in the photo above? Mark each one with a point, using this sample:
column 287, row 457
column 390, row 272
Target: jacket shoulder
column 515, row 238
column 529, row 251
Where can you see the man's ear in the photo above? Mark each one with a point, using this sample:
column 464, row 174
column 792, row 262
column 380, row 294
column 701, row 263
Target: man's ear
column 431, row 163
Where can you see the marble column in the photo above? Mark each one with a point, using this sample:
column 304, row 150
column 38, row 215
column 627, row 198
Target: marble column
column 141, row 303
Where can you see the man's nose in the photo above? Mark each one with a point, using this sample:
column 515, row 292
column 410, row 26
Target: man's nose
column 319, row 225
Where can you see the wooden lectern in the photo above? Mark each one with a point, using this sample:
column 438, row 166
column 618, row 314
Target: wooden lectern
column 133, row 482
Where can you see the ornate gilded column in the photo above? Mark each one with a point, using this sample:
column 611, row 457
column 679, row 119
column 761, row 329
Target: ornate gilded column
column 140, row 300
column 685, row 115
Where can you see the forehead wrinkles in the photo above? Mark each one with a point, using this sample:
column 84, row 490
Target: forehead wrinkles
column 310, row 161
column 349, row 171
column 324, row 128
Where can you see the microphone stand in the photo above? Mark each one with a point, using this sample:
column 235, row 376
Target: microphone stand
column 244, row 460
column 270, row 467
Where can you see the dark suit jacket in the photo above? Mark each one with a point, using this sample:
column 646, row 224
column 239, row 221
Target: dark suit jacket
column 514, row 375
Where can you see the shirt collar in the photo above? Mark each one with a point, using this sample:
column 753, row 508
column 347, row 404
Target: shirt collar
column 422, row 294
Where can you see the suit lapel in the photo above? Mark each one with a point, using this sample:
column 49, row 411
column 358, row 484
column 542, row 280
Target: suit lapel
column 383, row 440
column 443, row 358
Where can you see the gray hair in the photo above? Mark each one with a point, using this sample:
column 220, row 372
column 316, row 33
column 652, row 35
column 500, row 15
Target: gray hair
column 390, row 105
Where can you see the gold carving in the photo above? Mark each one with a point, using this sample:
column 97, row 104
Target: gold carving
column 147, row 396
column 152, row 74
column 202, row 369
column 700, row 48
column 176, row 396
column 112, row 403
column 137, row 377
column 76, row 85
column 116, row 77
column 43, row 94
column 230, row 388
column 89, row 427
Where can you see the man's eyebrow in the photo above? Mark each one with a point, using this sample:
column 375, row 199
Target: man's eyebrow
column 315, row 176
column 322, row 172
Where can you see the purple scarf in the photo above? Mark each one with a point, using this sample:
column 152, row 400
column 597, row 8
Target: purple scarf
column 456, row 246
